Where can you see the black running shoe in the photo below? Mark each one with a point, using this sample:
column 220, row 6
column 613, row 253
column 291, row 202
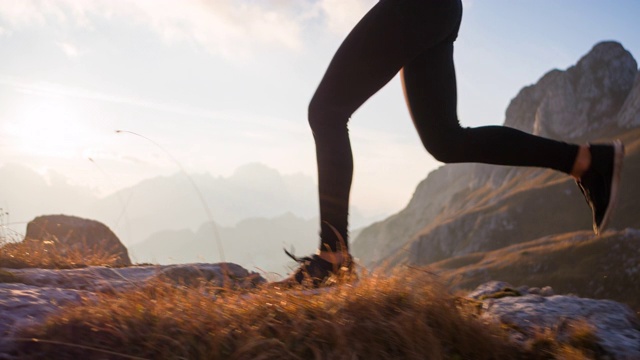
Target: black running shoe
column 600, row 183
column 315, row 272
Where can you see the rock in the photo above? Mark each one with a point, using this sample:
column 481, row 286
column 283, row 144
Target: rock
column 74, row 233
column 584, row 101
column 581, row 102
column 220, row 274
column 615, row 326
column 534, row 290
column 100, row 278
column 37, row 293
column 24, row 305
column 630, row 113
column 488, row 288
column 547, row 291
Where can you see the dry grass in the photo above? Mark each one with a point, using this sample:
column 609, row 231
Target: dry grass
column 51, row 254
column 406, row 316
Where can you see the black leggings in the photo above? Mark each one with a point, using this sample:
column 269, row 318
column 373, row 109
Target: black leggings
column 415, row 36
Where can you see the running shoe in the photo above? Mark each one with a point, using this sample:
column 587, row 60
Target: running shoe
column 600, row 183
column 315, row 272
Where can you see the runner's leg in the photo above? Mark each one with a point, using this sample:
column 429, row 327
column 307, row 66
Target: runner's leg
column 429, row 83
column 389, row 36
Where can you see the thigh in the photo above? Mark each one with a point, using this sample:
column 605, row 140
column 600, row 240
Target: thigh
column 387, row 38
column 429, row 83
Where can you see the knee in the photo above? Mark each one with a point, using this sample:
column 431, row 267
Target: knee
column 324, row 116
column 441, row 152
column 314, row 114
column 445, row 147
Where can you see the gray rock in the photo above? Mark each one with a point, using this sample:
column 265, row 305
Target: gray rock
column 616, row 326
column 534, row 291
column 488, row 288
column 220, row 274
column 24, row 305
column 584, row 101
column 547, row 291
column 100, row 278
column 41, row 292
column 629, row 116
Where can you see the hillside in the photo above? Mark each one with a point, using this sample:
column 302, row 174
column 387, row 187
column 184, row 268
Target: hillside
column 463, row 209
column 607, row 267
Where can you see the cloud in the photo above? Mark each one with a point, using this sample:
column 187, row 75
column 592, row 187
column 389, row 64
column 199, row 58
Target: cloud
column 232, row 28
column 229, row 27
column 341, row 15
column 69, row 49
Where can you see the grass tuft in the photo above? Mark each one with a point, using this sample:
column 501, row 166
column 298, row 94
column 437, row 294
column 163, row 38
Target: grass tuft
column 51, row 254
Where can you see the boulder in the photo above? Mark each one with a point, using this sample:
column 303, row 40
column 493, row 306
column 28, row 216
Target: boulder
column 614, row 327
column 69, row 233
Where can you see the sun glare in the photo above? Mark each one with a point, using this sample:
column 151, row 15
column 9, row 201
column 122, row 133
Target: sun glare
column 47, row 127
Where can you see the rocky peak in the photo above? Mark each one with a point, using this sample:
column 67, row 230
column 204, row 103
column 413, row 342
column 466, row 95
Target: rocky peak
column 581, row 102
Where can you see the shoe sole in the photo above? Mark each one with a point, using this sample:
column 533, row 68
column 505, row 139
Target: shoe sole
column 615, row 182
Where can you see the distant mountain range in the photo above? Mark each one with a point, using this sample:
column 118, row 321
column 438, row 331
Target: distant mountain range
column 256, row 243
column 257, row 210
column 469, row 211
column 163, row 203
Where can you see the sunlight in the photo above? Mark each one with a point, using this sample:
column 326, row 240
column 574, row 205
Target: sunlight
column 48, row 127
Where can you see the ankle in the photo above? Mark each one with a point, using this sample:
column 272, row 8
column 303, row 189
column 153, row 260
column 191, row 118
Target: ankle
column 582, row 162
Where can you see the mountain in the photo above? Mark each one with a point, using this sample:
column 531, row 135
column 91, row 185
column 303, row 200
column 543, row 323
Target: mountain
column 160, row 203
column 463, row 209
column 174, row 202
column 576, row 262
column 256, row 243
column 178, row 202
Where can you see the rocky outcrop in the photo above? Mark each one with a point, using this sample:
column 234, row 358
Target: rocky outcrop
column 70, row 233
column 630, row 114
column 34, row 294
column 465, row 208
column 608, row 328
column 580, row 103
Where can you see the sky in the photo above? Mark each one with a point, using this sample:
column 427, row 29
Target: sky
column 213, row 85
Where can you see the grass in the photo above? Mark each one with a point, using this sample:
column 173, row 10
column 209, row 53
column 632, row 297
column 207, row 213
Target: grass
column 407, row 315
column 400, row 317
column 50, row 254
